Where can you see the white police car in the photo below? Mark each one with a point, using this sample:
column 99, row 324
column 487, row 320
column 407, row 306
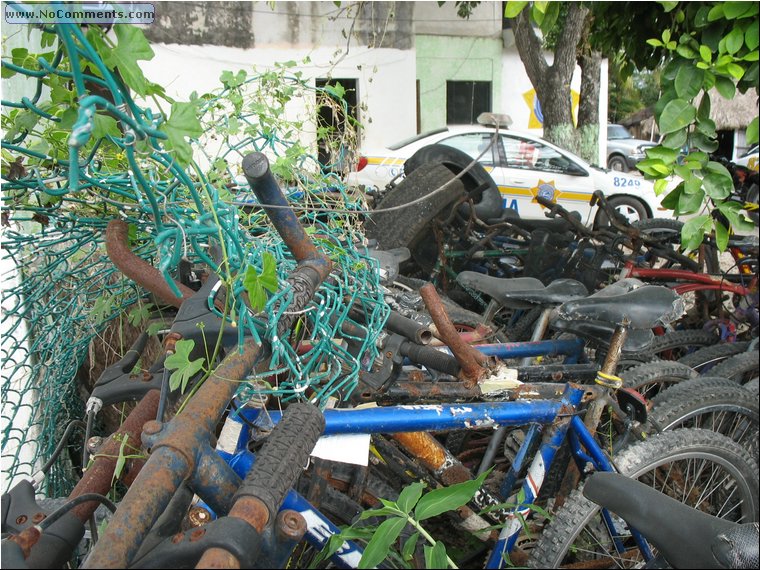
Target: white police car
column 522, row 166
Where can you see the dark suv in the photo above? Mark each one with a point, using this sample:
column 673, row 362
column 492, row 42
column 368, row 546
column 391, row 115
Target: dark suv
column 624, row 151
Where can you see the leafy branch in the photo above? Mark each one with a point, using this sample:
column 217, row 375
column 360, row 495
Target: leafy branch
column 411, row 508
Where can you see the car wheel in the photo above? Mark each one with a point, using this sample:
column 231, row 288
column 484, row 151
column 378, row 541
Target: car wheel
column 618, row 164
column 630, row 208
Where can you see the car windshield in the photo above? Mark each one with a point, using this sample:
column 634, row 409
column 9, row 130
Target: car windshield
column 618, row 132
column 416, row 138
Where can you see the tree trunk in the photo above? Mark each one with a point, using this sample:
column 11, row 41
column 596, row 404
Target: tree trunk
column 588, row 110
column 552, row 83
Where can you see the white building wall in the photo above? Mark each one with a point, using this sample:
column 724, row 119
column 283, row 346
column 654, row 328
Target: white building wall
column 386, row 79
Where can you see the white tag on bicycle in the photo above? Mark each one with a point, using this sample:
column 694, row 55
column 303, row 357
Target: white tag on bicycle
column 504, row 379
column 348, row 448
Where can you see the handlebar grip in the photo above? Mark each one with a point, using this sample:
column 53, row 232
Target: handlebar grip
column 546, row 202
column 283, row 456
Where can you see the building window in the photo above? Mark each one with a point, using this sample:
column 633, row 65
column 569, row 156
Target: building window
column 465, row 100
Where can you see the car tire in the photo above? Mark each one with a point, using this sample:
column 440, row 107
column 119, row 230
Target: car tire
column 488, row 204
column 631, row 208
column 406, row 227
column 617, row 163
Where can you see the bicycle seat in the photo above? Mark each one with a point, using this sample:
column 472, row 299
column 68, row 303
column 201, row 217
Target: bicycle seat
column 523, row 292
column 685, row 537
column 642, row 307
column 599, row 334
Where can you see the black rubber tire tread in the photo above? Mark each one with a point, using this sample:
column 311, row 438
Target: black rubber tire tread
column 602, row 219
column 652, row 377
column 740, row 368
column 705, row 402
column 404, row 227
column 706, row 358
column 283, row 456
column 687, row 340
column 636, row 461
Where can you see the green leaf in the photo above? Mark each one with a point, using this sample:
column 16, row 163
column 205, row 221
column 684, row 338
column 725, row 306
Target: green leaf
column 660, row 186
column 752, row 131
column 716, row 13
column 435, row 556
column 706, row 127
column 671, row 200
column 383, row 511
column 705, row 53
column 752, row 37
column 445, row 499
column 121, row 460
column 182, row 123
column 717, row 186
column 703, row 143
column 654, row 42
column 407, row 552
column 693, row 231
column 685, row 51
column 377, row 548
column 736, row 70
column 512, row 9
column 733, row 10
column 688, row 81
column 675, row 140
column 256, row 284
column 690, row 203
column 721, row 235
column 179, row 361
column 732, row 211
column 676, row 115
column 103, row 125
column 132, row 47
column 409, row 496
column 734, row 41
column 666, row 155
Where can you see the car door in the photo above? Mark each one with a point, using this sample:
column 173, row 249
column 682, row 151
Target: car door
column 529, row 168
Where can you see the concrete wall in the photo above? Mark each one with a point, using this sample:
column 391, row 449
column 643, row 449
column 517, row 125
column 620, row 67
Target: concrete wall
column 442, row 58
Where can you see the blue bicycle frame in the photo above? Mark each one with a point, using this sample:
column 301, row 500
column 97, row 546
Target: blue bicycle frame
column 557, row 419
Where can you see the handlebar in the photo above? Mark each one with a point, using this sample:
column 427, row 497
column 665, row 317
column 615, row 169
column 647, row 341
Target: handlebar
column 558, row 210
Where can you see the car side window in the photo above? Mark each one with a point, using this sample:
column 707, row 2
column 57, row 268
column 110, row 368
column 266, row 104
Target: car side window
column 532, row 155
column 473, row 144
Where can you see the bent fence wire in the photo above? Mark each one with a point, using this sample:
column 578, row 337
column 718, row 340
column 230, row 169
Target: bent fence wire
column 69, row 168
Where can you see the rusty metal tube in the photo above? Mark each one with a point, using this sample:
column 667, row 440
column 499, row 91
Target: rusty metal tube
column 98, row 477
column 468, row 357
column 137, row 269
column 172, row 460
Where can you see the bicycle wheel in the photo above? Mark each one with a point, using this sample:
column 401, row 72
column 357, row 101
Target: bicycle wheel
column 742, row 368
column 712, row 403
column 700, row 468
column 650, row 378
column 706, row 358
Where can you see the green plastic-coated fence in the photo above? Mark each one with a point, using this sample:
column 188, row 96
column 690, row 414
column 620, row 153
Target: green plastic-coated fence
column 78, row 152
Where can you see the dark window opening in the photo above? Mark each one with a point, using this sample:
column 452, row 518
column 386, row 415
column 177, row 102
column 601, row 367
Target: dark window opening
column 337, row 137
column 465, row 100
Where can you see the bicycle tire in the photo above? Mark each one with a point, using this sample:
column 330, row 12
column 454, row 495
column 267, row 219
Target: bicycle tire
column 650, row 378
column 741, row 368
column 713, row 403
column 674, row 345
column 407, row 227
column 577, row 532
column 707, row 357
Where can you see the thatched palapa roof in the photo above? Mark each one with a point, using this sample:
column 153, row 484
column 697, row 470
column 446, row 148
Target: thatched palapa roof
column 728, row 114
